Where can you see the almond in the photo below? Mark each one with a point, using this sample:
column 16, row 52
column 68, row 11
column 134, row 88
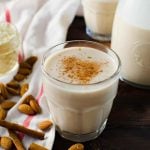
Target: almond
column 7, row 104
column 6, row 143
column 13, row 91
column 26, row 109
column 27, row 99
column 77, row 146
column 35, row 146
column 25, row 65
column 31, row 60
column 3, row 114
column 35, row 106
column 44, row 125
column 19, row 77
column 24, row 71
column 24, row 89
column 3, row 91
column 13, row 84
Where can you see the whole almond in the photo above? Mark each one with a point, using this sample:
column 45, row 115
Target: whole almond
column 19, row 77
column 13, row 84
column 27, row 99
column 3, row 91
column 35, row 146
column 7, row 104
column 6, row 143
column 25, row 65
column 26, row 109
column 24, row 89
column 3, row 113
column 44, row 125
column 35, row 106
column 31, row 60
column 13, row 91
column 77, row 146
column 24, row 71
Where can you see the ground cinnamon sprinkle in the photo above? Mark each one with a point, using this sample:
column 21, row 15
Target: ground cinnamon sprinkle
column 79, row 70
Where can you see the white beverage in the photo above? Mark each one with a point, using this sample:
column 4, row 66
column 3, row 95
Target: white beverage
column 99, row 15
column 79, row 99
column 132, row 44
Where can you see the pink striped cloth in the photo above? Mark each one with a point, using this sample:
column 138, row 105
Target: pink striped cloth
column 42, row 24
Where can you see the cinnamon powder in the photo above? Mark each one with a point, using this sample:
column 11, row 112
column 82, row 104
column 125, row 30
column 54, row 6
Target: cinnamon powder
column 79, row 70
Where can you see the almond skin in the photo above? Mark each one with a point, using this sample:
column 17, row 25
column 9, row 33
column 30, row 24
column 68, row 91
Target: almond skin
column 6, row 143
column 7, row 104
column 44, row 125
column 13, row 91
column 19, row 77
column 3, row 113
column 24, row 89
column 77, row 146
column 24, row 71
column 25, row 65
column 31, row 60
column 26, row 109
column 35, row 146
column 35, row 106
column 27, row 99
column 3, row 91
column 13, row 84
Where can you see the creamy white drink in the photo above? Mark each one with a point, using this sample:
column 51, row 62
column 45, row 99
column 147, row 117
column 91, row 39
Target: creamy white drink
column 99, row 15
column 80, row 86
column 132, row 43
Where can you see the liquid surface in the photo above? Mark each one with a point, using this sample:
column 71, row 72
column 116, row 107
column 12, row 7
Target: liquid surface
column 80, row 65
column 7, row 32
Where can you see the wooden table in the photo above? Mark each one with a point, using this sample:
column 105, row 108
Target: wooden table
column 128, row 126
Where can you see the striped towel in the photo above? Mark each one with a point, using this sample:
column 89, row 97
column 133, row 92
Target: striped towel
column 42, row 24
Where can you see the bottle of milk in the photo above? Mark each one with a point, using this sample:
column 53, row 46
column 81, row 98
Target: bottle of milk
column 131, row 41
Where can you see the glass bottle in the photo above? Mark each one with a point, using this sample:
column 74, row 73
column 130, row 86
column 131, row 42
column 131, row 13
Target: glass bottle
column 131, row 41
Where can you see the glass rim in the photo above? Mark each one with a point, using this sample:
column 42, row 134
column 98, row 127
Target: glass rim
column 117, row 70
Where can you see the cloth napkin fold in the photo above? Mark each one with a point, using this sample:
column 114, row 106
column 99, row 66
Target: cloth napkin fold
column 42, row 24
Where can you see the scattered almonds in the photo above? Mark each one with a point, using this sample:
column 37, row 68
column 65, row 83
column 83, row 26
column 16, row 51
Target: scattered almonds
column 28, row 106
column 44, row 125
column 26, row 109
column 35, row 146
column 77, row 146
column 6, row 143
